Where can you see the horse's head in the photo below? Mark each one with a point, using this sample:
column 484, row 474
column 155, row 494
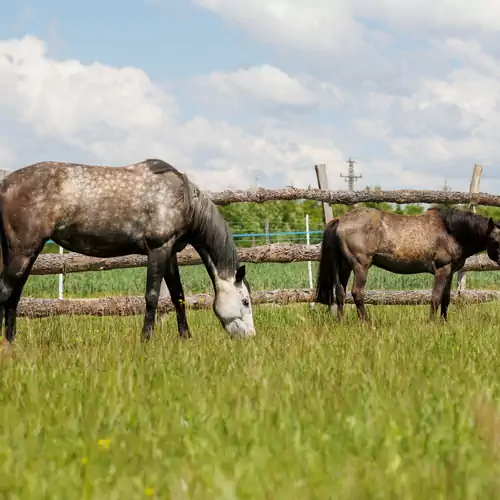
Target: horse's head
column 233, row 306
column 493, row 247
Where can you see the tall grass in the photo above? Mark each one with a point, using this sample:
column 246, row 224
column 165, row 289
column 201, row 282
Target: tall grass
column 308, row 409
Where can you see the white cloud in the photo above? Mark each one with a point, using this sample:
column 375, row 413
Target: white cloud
column 96, row 113
column 324, row 35
column 418, row 84
column 336, row 26
column 330, row 39
column 421, row 15
column 266, row 85
column 437, row 132
column 67, row 98
column 299, row 24
column 88, row 106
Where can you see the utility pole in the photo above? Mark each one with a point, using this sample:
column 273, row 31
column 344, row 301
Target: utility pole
column 350, row 178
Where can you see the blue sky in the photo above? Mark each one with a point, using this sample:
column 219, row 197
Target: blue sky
column 170, row 40
column 240, row 86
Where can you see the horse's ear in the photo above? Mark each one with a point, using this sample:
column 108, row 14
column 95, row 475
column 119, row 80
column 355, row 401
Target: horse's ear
column 491, row 225
column 240, row 274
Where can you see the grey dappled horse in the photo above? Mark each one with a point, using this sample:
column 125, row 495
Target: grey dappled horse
column 436, row 242
column 147, row 208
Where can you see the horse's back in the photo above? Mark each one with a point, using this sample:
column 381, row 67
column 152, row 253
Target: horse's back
column 411, row 238
column 58, row 179
column 96, row 209
column 396, row 242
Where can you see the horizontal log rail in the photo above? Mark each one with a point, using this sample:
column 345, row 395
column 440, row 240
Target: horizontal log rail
column 134, row 305
column 276, row 252
column 402, row 196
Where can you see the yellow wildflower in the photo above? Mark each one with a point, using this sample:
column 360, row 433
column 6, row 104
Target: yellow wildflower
column 103, row 443
column 84, row 461
column 149, row 492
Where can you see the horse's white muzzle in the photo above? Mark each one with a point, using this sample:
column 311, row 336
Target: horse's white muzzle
column 238, row 328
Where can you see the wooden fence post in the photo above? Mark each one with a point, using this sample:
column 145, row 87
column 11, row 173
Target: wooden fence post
column 323, row 184
column 473, row 188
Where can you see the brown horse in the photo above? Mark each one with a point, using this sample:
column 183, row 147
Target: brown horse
column 436, row 242
column 147, row 208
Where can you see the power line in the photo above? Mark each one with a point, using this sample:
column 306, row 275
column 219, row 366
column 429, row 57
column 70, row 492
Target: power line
column 351, row 178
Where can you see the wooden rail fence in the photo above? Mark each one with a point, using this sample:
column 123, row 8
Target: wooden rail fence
column 275, row 252
column 278, row 252
column 131, row 305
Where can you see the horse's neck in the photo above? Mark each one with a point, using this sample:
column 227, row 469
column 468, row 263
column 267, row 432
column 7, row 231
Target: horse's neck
column 212, row 253
column 474, row 243
column 470, row 249
column 208, row 262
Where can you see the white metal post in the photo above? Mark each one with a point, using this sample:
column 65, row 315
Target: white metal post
column 309, row 265
column 61, row 286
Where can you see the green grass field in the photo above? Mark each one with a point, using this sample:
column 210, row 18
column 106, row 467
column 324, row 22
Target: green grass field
column 308, row 409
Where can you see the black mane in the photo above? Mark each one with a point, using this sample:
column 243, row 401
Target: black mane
column 160, row 167
column 208, row 227
column 211, row 230
column 469, row 229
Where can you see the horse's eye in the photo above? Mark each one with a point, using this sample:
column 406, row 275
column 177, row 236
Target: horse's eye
column 245, row 302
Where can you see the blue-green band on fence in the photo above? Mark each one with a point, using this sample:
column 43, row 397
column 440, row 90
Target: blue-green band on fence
column 250, row 235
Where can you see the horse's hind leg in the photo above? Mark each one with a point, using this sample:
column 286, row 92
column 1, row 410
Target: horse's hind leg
column 11, row 309
column 15, row 275
column 157, row 261
column 358, row 289
column 438, row 292
column 173, row 281
column 341, row 285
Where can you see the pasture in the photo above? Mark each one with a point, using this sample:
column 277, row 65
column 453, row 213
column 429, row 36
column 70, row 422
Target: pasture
column 309, row 409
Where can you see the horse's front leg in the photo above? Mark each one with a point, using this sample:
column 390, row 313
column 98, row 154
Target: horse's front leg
column 440, row 282
column 173, row 281
column 446, row 298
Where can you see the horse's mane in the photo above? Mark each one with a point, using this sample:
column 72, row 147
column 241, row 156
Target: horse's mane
column 209, row 227
column 462, row 224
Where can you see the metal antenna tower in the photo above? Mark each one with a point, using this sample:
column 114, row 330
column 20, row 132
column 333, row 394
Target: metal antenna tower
column 350, row 178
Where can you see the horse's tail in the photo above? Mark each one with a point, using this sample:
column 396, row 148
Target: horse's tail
column 328, row 272
column 5, row 288
column 4, row 247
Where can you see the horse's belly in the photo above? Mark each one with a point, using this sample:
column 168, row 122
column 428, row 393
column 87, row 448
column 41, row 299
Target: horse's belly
column 403, row 266
column 113, row 244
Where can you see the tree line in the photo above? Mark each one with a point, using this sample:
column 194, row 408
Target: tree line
column 289, row 216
